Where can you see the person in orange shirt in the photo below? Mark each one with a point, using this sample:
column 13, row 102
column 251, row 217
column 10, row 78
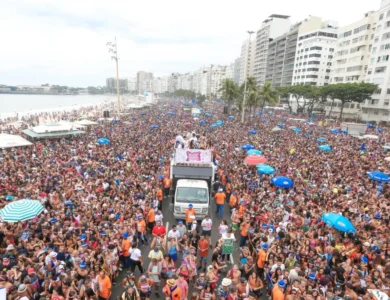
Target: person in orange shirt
column 104, row 285
column 278, row 290
column 125, row 250
column 233, row 202
column 190, row 216
column 160, row 198
column 220, row 201
column 172, row 291
column 141, row 230
column 167, row 182
column 229, row 190
column 151, row 219
column 244, row 233
column 261, row 258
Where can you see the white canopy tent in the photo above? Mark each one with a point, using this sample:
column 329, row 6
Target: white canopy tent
column 10, row 141
column 86, row 122
column 74, row 125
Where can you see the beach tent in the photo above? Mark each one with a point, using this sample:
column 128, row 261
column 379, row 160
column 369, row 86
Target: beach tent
column 10, row 141
column 86, row 122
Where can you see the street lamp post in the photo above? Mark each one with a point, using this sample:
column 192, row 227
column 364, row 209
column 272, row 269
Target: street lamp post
column 112, row 47
column 246, row 76
column 211, row 77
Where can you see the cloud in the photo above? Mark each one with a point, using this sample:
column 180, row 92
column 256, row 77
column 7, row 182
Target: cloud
column 64, row 42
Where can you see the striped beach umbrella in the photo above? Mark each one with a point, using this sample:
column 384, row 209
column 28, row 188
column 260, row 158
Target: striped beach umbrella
column 21, row 210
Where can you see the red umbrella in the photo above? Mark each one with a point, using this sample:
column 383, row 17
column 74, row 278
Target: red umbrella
column 255, row 159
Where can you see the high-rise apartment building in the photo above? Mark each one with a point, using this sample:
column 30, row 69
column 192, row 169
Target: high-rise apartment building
column 378, row 71
column 315, row 50
column 160, row 84
column 237, row 70
column 272, row 27
column 111, row 85
column 281, row 58
column 351, row 60
column 144, row 82
column 247, row 60
column 132, row 84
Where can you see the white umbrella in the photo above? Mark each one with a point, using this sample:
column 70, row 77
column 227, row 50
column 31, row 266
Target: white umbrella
column 276, row 129
column 370, row 137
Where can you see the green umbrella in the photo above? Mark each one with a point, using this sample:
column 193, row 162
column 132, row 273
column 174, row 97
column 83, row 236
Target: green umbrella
column 21, row 210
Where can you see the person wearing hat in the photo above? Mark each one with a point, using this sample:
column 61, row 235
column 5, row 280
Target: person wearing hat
column 131, row 293
column 278, row 290
column 220, row 202
column 261, row 258
column 126, row 245
column 172, row 291
column 190, row 216
column 223, row 289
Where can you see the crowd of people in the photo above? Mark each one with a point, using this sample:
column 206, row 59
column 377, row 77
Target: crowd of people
column 103, row 208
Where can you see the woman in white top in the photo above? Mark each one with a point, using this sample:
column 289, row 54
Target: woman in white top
column 223, row 227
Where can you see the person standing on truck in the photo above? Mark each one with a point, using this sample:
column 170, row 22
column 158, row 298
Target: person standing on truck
column 190, row 216
column 167, row 182
column 220, row 201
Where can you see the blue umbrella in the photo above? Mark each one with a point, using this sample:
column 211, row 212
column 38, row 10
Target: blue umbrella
column 254, row 151
column 202, row 122
column 297, row 130
column 326, row 148
column 21, row 210
column 193, row 101
column 379, row 176
column 214, row 125
column 335, row 130
column 170, row 113
column 282, row 182
column 154, row 126
column 230, row 118
column 321, row 140
column 103, row 141
column 195, row 115
column 339, row 222
column 143, row 113
column 252, row 131
column 247, row 147
column 370, row 125
column 264, row 120
column 344, row 131
column 220, row 122
column 280, row 125
column 207, row 114
column 379, row 130
column 265, row 169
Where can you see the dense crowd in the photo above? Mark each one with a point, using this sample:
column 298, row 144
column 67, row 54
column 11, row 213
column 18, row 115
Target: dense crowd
column 103, row 203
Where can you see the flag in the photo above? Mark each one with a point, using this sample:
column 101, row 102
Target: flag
column 326, row 122
column 363, row 147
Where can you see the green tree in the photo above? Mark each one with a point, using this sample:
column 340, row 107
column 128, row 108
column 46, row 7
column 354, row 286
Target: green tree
column 185, row 93
column 200, row 98
column 348, row 92
column 284, row 93
column 230, row 91
column 268, row 94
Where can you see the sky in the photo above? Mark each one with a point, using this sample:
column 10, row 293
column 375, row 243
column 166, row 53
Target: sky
column 64, row 41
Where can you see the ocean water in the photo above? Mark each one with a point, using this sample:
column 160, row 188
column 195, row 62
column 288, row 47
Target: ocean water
column 10, row 104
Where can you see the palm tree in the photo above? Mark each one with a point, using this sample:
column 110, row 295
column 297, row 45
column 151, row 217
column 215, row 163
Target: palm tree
column 230, row 91
column 252, row 95
column 268, row 94
column 253, row 100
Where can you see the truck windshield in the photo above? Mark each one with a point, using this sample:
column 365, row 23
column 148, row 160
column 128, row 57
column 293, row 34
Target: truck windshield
column 191, row 195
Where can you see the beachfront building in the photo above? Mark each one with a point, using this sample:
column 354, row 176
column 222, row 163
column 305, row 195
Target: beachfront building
column 247, row 60
column 144, row 82
column 132, row 84
column 378, row 71
column 160, row 84
column 237, row 70
column 218, row 75
column 351, row 59
column 111, row 85
column 274, row 26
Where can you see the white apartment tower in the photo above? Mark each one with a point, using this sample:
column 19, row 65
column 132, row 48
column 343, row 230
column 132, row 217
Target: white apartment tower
column 351, row 59
column 316, row 46
column 247, row 60
column 378, row 72
column 272, row 27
